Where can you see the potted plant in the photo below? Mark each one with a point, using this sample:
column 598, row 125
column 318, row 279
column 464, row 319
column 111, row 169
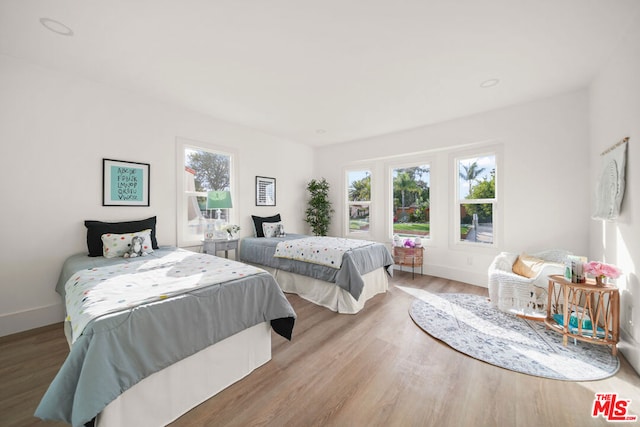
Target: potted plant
column 319, row 208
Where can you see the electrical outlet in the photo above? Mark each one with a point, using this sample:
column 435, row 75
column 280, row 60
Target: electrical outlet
column 469, row 260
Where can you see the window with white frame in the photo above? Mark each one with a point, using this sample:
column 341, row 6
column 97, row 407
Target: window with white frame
column 358, row 201
column 201, row 170
column 476, row 199
column 411, row 200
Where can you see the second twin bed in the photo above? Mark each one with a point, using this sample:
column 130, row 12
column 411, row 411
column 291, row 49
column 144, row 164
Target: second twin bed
column 336, row 273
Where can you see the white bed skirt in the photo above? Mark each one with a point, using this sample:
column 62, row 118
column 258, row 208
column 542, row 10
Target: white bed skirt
column 166, row 395
column 328, row 294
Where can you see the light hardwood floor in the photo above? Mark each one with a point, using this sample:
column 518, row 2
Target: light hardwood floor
column 376, row 368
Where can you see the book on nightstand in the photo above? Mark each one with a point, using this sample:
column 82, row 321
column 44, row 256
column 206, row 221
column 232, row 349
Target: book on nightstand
column 577, row 270
column 587, row 326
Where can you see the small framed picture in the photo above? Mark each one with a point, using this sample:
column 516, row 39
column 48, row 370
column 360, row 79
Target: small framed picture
column 125, row 183
column 265, row 191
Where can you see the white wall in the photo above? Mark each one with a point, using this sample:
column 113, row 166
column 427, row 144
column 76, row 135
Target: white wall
column 615, row 114
column 55, row 129
column 544, row 170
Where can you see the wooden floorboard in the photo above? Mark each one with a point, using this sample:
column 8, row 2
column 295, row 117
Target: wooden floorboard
column 376, row 368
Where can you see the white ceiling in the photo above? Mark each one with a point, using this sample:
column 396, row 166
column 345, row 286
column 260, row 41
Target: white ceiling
column 325, row 71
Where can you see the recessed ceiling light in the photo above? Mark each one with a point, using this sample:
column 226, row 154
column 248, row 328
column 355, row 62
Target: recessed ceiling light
column 320, row 131
column 56, row 27
column 489, row 83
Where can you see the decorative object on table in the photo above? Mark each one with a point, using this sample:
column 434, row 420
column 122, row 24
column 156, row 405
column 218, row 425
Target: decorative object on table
column 577, row 268
column 232, row 231
column 406, row 242
column 319, row 210
column 217, row 200
column 600, row 271
column 469, row 324
column 265, row 191
column 125, row 183
column 610, row 186
column 209, row 229
column 568, row 271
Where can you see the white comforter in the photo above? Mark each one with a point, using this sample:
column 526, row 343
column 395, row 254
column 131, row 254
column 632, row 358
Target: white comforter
column 98, row 291
column 321, row 250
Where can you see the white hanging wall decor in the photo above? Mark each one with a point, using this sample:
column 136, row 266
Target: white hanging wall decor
column 610, row 185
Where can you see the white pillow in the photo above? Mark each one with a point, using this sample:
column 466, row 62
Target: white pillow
column 116, row 245
column 272, row 229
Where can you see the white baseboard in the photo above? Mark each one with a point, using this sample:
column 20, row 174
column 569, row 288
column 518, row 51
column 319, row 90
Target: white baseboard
column 13, row 323
column 459, row 275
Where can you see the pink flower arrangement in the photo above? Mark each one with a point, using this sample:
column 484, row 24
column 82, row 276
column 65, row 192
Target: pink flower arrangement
column 600, row 269
column 408, row 243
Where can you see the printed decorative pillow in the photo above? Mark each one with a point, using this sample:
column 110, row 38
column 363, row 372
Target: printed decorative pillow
column 95, row 230
column 272, row 229
column 116, row 245
column 259, row 220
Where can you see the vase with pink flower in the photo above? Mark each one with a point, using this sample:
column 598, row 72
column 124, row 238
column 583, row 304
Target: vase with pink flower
column 601, row 271
column 409, row 243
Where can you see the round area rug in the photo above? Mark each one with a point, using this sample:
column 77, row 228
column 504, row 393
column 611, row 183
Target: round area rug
column 469, row 324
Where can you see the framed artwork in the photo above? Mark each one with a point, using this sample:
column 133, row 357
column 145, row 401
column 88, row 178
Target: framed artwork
column 125, row 183
column 611, row 183
column 265, row 191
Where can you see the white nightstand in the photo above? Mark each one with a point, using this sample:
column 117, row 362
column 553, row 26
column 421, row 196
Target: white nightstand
column 212, row 247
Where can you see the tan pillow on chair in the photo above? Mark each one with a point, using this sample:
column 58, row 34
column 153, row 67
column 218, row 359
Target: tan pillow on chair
column 528, row 266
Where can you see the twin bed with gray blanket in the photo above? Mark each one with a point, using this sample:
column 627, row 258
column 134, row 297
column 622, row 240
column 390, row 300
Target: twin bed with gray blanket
column 305, row 269
column 131, row 320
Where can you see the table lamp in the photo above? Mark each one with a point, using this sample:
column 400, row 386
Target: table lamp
column 219, row 200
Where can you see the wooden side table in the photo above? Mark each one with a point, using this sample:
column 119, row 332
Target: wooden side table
column 584, row 311
column 212, row 247
column 411, row 257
